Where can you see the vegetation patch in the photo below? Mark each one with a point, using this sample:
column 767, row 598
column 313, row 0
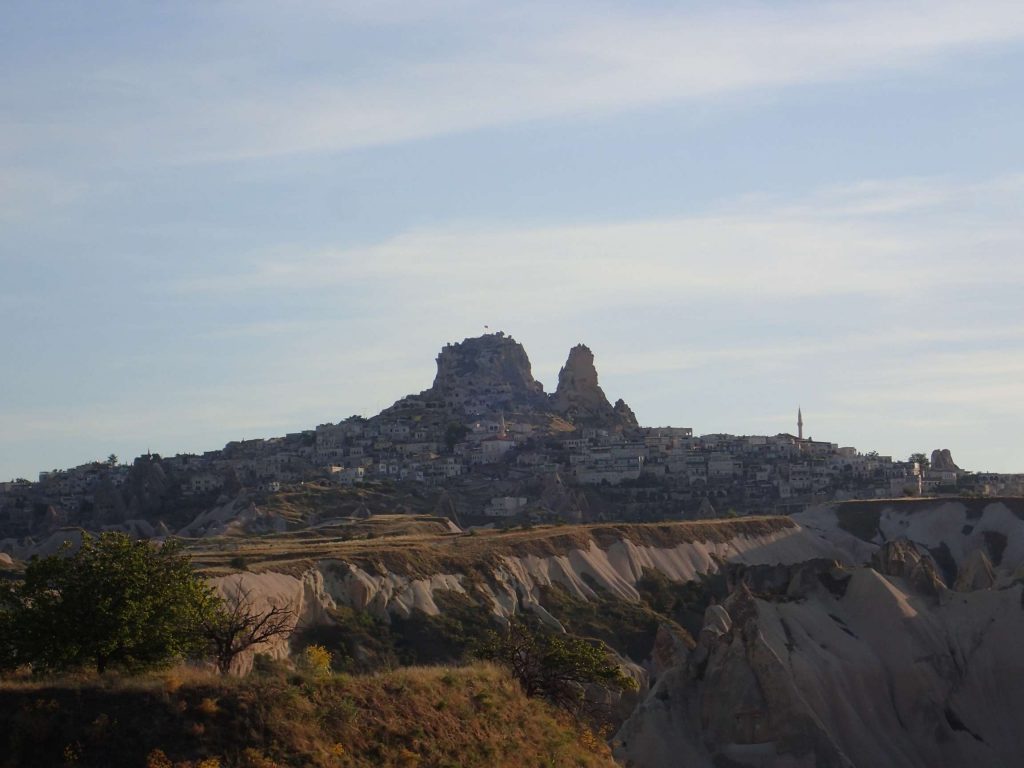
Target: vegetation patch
column 444, row 717
column 424, row 550
column 445, row 638
column 627, row 627
column 359, row 642
column 683, row 602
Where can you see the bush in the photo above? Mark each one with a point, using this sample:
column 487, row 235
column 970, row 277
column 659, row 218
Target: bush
column 315, row 660
column 114, row 602
column 553, row 666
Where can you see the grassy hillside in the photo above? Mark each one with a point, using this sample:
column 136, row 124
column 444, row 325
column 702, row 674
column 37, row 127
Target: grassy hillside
column 314, row 502
column 428, row 548
column 413, row 717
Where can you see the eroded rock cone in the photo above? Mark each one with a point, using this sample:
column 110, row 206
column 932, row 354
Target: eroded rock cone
column 733, row 702
column 624, row 413
column 580, row 398
column 976, row 573
column 901, row 558
column 671, row 648
column 942, row 459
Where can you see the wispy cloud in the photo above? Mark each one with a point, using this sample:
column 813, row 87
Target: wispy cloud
column 27, row 192
column 499, row 64
column 120, row 122
column 543, row 64
column 837, row 241
column 877, row 300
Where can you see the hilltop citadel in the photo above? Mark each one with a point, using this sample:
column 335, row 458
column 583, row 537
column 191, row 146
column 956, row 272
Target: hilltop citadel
column 485, row 443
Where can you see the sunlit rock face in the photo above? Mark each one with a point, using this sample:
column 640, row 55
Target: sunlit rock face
column 942, row 459
column 905, row 652
column 580, row 398
column 494, row 367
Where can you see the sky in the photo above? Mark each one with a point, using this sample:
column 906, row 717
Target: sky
column 227, row 220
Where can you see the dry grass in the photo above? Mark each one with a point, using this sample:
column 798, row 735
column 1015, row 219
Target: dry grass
column 424, row 554
column 301, row 504
column 440, row 717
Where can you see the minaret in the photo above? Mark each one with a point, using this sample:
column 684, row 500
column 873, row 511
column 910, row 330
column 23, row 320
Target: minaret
column 799, row 424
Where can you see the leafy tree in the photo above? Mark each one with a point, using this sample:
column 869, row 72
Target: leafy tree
column 922, row 460
column 112, row 460
column 454, row 433
column 551, row 665
column 8, row 654
column 235, row 625
column 115, row 601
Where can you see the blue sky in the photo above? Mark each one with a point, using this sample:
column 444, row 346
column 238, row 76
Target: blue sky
column 237, row 219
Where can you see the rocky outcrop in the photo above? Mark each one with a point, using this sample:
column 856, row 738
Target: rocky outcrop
column 811, row 658
column 304, row 596
column 514, row 583
column 952, row 527
column 624, row 413
column 671, row 648
column 900, row 558
column 942, row 459
column 493, row 367
column 580, row 399
column 975, row 573
column 873, row 676
column 237, row 517
column 733, row 703
column 786, row 581
column 612, row 569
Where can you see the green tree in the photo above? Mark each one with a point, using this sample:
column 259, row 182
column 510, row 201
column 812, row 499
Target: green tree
column 8, row 603
column 554, row 666
column 922, row 460
column 115, row 601
column 454, row 433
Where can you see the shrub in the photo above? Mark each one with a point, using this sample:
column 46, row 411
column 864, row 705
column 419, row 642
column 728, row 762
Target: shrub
column 114, row 602
column 552, row 665
column 315, row 660
column 157, row 759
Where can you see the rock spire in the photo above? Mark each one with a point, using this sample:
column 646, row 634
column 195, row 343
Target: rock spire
column 580, row 398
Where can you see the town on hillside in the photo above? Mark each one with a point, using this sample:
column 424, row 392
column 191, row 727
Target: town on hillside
column 485, row 444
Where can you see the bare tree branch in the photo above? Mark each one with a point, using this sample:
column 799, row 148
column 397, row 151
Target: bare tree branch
column 237, row 625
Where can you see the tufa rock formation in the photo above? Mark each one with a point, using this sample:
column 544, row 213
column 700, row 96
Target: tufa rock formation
column 580, row 398
column 493, row 367
column 976, row 573
column 903, row 559
column 492, row 373
column 625, row 413
column 942, row 459
column 790, row 671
